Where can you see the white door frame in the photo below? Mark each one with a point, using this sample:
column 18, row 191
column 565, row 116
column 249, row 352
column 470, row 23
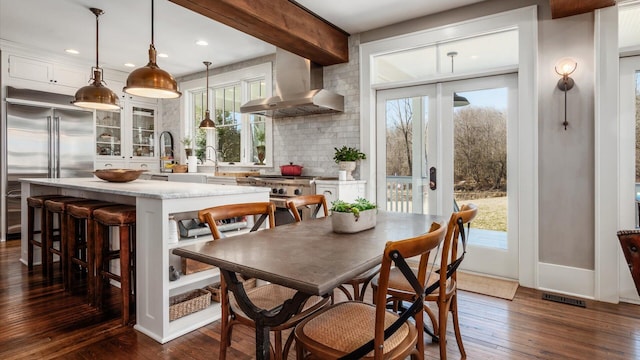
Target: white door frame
column 526, row 20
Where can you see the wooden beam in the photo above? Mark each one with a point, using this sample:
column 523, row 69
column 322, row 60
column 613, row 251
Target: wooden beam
column 562, row 8
column 278, row 22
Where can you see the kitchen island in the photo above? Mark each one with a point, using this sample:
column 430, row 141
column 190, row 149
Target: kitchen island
column 155, row 202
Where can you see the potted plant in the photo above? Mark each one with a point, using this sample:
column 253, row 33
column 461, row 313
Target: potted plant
column 346, row 158
column 186, row 141
column 353, row 217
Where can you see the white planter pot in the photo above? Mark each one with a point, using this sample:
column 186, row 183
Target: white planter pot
column 348, row 166
column 347, row 223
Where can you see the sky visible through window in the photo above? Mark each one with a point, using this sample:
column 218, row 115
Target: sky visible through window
column 495, row 98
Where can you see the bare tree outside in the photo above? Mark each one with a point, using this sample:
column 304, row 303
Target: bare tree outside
column 399, row 132
column 480, row 159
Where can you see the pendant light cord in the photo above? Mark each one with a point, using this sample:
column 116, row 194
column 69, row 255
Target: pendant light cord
column 208, row 85
column 152, row 23
column 97, row 27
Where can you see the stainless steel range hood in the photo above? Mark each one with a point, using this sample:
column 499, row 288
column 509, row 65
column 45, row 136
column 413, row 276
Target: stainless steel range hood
column 298, row 90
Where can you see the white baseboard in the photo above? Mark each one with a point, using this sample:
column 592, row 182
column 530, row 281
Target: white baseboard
column 566, row 280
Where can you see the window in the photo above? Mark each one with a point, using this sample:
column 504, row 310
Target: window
column 240, row 139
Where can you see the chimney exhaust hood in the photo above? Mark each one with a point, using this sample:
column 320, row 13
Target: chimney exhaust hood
column 298, row 90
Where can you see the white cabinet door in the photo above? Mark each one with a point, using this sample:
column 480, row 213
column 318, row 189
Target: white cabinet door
column 46, row 72
column 71, row 77
column 30, row 69
column 343, row 190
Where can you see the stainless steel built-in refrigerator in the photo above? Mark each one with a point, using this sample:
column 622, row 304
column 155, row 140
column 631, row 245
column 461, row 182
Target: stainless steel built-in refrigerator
column 45, row 137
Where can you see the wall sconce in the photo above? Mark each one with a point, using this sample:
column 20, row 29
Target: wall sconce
column 565, row 67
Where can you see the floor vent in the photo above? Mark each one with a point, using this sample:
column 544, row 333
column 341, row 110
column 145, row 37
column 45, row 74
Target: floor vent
column 564, row 300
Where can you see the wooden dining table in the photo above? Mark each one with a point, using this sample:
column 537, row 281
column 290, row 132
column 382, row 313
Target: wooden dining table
column 306, row 256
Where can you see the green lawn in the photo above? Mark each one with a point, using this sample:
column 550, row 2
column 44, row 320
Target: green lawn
column 492, row 213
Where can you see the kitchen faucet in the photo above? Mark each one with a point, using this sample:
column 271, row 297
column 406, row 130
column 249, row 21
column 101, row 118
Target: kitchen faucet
column 215, row 157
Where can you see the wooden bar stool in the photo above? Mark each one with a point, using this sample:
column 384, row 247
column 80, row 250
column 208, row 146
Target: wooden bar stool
column 33, row 203
column 80, row 242
column 124, row 218
column 57, row 206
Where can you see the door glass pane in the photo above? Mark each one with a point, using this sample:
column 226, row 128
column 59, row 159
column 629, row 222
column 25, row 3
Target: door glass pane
column 628, row 34
column 404, row 116
column 402, row 65
column 480, row 161
column 479, row 52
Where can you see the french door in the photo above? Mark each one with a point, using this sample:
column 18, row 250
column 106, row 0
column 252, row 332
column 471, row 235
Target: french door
column 445, row 144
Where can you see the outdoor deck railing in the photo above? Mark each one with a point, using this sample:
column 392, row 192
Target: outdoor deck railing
column 399, row 193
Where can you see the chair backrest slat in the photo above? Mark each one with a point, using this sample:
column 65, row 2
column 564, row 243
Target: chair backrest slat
column 212, row 214
column 297, row 202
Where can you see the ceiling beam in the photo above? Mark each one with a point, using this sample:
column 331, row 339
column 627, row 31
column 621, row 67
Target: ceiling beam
column 562, row 8
column 281, row 23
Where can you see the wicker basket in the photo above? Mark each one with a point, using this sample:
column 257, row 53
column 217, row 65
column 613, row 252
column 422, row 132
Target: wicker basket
column 180, row 168
column 214, row 289
column 187, row 303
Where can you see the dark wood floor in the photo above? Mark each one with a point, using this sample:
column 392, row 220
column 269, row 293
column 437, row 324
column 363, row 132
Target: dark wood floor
column 39, row 321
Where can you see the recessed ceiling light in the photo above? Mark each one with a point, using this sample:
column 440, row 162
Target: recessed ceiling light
column 474, row 56
column 202, row 43
column 72, row 51
column 130, row 65
column 163, row 55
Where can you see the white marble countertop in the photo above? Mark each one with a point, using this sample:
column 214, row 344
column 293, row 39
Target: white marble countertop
column 147, row 188
column 339, row 182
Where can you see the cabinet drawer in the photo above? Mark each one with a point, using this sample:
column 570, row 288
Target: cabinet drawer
column 330, row 193
column 109, row 164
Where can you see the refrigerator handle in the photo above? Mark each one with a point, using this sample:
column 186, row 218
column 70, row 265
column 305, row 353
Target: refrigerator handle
column 50, row 130
column 57, row 153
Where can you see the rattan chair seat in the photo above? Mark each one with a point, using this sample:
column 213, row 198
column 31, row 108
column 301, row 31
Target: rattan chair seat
column 270, row 296
column 346, row 326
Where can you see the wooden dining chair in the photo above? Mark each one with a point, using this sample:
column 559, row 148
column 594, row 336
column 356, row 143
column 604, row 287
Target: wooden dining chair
column 630, row 244
column 266, row 296
column 355, row 330
column 444, row 274
column 359, row 283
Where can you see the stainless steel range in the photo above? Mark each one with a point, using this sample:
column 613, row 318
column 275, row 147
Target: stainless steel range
column 282, row 188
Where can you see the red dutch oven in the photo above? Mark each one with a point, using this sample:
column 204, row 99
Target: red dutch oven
column 291, row 170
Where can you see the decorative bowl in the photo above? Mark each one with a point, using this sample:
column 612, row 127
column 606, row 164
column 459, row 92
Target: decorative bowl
column 118, row 175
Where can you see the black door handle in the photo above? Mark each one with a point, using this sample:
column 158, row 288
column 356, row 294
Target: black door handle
column 432, row 178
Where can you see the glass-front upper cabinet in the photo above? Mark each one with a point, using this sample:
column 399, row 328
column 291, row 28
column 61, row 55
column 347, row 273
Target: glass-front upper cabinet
column 143, row 125
column 108, row 133
column 128, row 134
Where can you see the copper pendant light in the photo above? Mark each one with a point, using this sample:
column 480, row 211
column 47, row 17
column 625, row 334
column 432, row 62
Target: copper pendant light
column 96, row 95
column 151, row 81
column 207, row 123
